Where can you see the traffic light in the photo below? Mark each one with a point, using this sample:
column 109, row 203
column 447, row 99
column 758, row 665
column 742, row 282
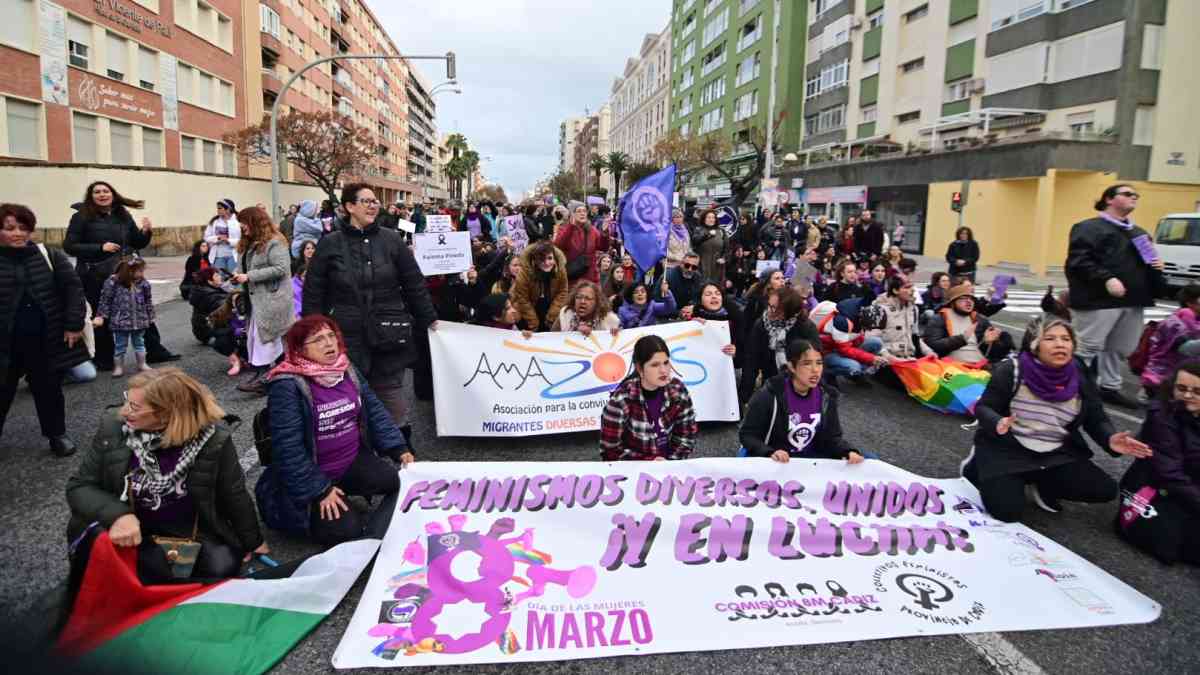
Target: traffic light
column 956, row 201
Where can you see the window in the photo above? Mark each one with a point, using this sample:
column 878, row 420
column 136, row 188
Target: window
column 121, row 141
column 85, row 138
column 712, row 120
column 204, row 90
column 711, row 5
column 958, row 90
column 835, row 76
column 689, row 50
column 810, row 125
column 875, row 20
column 269, row 20
column 1082, row 123
column 908, row 117
column 226, row 97
column 746, row 5
column 745, row 106
column 186, row 77
column 1087, row 53
column 918, row 13
column 1007, row 12
column 819, row 7
column 151, row 147
column 118, row 56
column 689, row 78
column 228, row 165
column 685, row 128
column 712, row 91
column 17, row 24
column 748, row 69
column 750, row 34
column 913, row 66
column 867, row 114
column 210, row 157
column 79, row 41
column 713, row 29
column 188, row 156
column 689, row 25
column 147, row 68
column 832, row 118
column 225, row 32
column 812, row 87
column 685, row 108
column 24, row 129
column 1152, row 39
column 713, row 60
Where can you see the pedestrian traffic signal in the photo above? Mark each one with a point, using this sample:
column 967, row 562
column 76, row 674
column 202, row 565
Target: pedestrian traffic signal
column 956, row 203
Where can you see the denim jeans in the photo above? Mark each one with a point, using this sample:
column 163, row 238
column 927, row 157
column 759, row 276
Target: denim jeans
column 836, row 364
column 227, row 264
column 121, row 339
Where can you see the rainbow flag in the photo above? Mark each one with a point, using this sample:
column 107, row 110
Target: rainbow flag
column 945, row 385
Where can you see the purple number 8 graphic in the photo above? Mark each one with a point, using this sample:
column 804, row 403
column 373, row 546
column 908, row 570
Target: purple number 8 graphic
column 495, row 568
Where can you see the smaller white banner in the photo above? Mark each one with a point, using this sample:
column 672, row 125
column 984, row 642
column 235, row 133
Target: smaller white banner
column 406, row 226
column 442, row 252
column 764, row 265
column 438, row 223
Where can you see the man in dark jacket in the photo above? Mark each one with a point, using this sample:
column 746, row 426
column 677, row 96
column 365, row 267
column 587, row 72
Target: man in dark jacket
column 1113, row 273
column 685, row 284
column 367, row 279
column 868, row 236
column 794, row 415
column 958, row 332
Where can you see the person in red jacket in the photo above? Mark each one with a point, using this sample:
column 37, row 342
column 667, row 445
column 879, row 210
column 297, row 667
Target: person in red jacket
column 582, row 245
column 848, row 353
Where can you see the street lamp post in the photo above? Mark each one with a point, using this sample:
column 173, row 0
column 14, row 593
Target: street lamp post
column 449, row 58
column 771, row 96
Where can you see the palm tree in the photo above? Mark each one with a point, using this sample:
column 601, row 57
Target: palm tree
column 598, row 165
column 456, row 169
column 470, row 160
column 617, row 164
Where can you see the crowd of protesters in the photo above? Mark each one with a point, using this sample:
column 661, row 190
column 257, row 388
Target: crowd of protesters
column 329, row 311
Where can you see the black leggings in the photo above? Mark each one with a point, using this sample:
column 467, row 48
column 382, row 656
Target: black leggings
column 27, row 357
column 368, row 475
column 1080, row 481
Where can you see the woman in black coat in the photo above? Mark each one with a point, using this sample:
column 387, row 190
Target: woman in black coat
column 197, row 261
column 1031, row 422
column 963, row 254
column 716, row 306
column 41, row 323
column 784, row 320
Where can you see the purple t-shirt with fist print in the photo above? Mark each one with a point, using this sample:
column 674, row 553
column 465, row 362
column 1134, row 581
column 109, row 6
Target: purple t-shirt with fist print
column 804, row 416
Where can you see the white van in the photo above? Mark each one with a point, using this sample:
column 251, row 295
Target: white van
column 1177, row 239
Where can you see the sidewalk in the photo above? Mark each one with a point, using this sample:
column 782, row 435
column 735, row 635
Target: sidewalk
column 164, row 274
column 927, row 265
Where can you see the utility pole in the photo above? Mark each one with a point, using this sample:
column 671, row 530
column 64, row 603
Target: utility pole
column 778, row 10
column 451, row 68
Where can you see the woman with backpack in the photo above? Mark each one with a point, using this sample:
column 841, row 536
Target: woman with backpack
column 328, row 435
column 1170, row 342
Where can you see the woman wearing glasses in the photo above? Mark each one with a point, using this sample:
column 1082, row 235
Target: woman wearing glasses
column 1160, row 496
column 329, row 435
column 366, row 277
column 1031, row 422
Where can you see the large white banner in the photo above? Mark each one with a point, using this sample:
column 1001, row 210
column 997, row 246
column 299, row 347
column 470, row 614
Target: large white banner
column 506, row 562
column 491, row 382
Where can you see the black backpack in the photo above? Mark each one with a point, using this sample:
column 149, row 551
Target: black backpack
column 261, row 426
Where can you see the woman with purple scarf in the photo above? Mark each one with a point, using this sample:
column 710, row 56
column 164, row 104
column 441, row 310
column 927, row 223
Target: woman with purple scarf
column 1031, row 422
column 679, row 240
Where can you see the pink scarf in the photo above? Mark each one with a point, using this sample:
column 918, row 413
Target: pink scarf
column 326, row 376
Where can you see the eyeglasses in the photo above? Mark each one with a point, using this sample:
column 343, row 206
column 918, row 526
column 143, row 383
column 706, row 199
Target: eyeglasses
column 323, row 337
column 689, row 266
column 1131, row 195
column 368, row 202
column 133, row 407
column 1184, row 391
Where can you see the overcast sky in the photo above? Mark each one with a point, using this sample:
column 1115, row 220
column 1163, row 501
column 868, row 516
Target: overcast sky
column 523, row 66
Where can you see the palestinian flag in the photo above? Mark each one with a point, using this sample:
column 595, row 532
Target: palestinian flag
column 233, row 626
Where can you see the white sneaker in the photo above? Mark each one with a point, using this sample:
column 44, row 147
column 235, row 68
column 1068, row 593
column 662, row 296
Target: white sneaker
column 970, row 426
column 1034, row 495
column 962, row 466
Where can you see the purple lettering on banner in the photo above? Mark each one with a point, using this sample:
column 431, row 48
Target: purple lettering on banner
column 589, row 489
column 570, row 633
column 768, row 493
column 518, row 494
column 562, row 489
column 458, row 495
column 959, row 536
column 779, row 543
column 541, row 628
column 615, row 639
column 630, row 541
column 791, row 494
column 613, row 494
column 916, row 500
column 724, row 491
column 414, row 493
column 593, row 625
column 647, row 489
column 936, row 507
column 704, row 486
column 688, row 539
column 745, row 489
column 497, row 494
column 477, row 498
column 819, row 540
column 879, row 500
column 730, row 538
column 854, row 542
column 432, row 496
column 537, row 493
column 895, row 499
column 835, row 497
column 929, row 538
column 639, row 623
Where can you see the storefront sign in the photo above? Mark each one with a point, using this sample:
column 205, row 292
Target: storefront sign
column 504, row 562
column 53, row 39
column 126, row 16
column 110, row 98
column 853, row 194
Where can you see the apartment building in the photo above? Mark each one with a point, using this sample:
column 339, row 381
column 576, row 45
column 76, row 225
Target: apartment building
column 727, row 57
column 567, row 131
column 640, row 98
column 594, row 138
column 1033, row 104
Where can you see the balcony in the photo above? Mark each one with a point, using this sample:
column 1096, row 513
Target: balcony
column 271, row 83
column 271, row 43
column 746, row 5
column 341, row 88
column 750, row 38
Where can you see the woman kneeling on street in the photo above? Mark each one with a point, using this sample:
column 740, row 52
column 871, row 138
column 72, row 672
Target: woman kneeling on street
column 329, row 434
column 1160, row 496
column 649, row 415
column 166, row 466
column 1030, row 420
column 794, row 415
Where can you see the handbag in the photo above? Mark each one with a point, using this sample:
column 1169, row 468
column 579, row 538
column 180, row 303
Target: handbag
column 181, row 552
column 389, row 328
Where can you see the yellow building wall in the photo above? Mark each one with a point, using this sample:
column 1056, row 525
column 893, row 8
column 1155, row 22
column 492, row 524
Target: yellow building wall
column 1012, row 226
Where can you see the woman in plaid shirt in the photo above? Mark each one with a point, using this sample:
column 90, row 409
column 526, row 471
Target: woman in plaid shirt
column 649, row 415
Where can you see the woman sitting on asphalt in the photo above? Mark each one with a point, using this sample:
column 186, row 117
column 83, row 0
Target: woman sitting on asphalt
column 196, row 262
column 166, row 466
column 1029, row 439
column 795, row 415
column 207, row 296
column 1160, row 496
column 649, row 415
column 1176, row 338
column 587, row 310
column 329, row 434
column 639, row 309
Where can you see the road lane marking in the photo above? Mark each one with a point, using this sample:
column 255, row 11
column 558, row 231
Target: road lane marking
column 1002, row 655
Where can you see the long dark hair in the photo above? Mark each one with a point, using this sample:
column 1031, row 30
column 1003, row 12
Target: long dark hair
column 119, row 202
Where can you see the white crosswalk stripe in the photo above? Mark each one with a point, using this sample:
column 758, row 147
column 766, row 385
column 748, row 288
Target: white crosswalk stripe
column 1030, row 302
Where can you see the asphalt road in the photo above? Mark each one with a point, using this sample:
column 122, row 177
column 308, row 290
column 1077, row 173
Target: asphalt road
column 33, row 517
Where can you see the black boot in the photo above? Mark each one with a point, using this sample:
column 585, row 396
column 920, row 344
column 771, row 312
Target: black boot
column 62, row 446
column 155, row 351
column 257, row 384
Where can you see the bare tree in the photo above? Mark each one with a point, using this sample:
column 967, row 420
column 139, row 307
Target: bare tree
column 724, row 155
